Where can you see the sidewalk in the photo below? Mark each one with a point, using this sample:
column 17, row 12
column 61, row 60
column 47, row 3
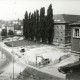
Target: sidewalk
column 68, row 60
column 2, row 58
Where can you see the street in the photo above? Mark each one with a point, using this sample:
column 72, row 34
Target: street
column 7, row 67
column 8, row 58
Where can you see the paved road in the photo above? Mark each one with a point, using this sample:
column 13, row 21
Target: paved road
column 8, row 59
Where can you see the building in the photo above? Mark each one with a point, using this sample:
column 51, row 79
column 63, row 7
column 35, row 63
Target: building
column 62, row 28
column 75, row 37
column 15, row 26
column 18, row 28
column 10, row 28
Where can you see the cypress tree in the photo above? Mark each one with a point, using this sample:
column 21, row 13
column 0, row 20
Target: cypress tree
column 29, row 28
column 4, row 32
column 26, row 26
column 32, row 27
column 50, row 25
column 37, row 26
column 42, row 24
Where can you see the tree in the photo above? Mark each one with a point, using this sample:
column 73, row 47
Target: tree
column 26, row 26
column 42, row 25
column 10, row 32
column 32, row 27
column 24, row 31
column 37, row 26
column 4, row 32
column 50, row 24
column 29, row 27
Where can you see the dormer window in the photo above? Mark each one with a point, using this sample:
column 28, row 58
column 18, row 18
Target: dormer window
column 76, row 32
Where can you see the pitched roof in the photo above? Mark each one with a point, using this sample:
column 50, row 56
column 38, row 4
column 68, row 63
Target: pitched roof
column 76, row 23
column 66, row 18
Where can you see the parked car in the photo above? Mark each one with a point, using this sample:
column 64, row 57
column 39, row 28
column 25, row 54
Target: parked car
column 22, row 50
column 74, row 67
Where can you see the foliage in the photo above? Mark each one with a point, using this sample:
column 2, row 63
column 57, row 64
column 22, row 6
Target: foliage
column 4, row 32
column 50, row 24
column 10, row 32
column 38, row 27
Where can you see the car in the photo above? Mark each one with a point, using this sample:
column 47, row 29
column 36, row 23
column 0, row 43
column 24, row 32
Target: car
column 64, row 70
column 19, row 56
column 74, row 67
column 22, row 50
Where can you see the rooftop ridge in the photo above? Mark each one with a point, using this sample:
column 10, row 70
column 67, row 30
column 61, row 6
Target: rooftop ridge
column 67, row 18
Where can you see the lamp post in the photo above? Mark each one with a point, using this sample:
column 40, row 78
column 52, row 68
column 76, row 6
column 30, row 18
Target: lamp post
column 1, row 47
column 13, row 59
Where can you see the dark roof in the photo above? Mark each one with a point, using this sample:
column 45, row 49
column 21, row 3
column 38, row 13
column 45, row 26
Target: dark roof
column 76, row 23
column 76, row 64
column 74, row 67
column 66, row 18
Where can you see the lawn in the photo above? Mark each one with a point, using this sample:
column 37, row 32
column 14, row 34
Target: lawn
column 21, row 43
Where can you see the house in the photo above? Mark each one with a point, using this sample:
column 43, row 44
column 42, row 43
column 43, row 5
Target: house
column 10, row 28
column 18, row 32
column 62, row 29
column 18, row 29
column 75, row 37
column 15, row 26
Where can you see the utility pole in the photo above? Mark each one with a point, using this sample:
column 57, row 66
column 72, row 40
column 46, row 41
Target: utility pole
column 13, row 59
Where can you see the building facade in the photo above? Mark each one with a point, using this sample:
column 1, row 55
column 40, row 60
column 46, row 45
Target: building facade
column 62, row 28
column 62, row 33
column 75, row 37
column 10, row 28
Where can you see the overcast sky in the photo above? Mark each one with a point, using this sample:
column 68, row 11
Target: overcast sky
column 14, row 9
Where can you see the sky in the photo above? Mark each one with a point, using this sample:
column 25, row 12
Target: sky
column 14, row 9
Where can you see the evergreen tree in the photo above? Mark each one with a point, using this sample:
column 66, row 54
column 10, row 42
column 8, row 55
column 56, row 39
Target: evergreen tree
column 34, row 25
column 37, row 26
column 10, row 32
column 50, row 25
column 4, row 32
column 42, row 25
column 29, row 28
column 26, row 26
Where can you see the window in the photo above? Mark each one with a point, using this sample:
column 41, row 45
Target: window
column 57, row 40
column 76, row 32
column 61, row 34
column 60, row 39
column 68, row 33
column 68, row 40
column 61, row 27
column 57, row 33
column 68, row 27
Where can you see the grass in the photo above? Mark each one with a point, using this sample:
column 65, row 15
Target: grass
column 21, row 43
